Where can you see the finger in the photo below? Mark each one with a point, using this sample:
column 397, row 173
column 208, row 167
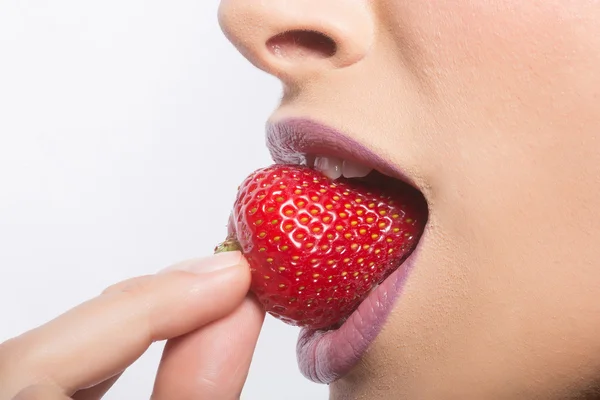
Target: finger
column 212, row 362
column 103, row 336
column 96, row 392
column 41, row 392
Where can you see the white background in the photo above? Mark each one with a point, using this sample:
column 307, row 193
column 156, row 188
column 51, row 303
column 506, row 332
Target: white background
column 125, row 127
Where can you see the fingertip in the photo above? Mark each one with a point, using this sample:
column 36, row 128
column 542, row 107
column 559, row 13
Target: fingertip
column 208, row 264
column 197, row 298
column 211, row 362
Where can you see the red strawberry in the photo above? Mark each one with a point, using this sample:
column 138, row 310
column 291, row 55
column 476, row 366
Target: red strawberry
column 316, row 247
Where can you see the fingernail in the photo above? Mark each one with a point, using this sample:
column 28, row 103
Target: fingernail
column 207, row 264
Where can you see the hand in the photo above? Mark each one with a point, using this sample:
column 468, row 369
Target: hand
column 201, row 306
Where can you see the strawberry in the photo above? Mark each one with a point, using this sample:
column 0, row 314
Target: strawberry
column 316, row 247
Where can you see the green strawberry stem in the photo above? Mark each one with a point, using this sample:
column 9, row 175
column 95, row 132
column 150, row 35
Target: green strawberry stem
column 231, row 244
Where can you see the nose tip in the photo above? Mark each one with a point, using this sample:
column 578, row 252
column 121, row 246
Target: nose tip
column 294, row 38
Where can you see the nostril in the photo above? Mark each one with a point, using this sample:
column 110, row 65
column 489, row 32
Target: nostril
column 302, row 44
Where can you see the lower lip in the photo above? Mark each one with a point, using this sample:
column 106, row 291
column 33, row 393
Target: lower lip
column 325, row 356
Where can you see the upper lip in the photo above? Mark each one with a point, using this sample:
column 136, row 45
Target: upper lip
column 292, row 140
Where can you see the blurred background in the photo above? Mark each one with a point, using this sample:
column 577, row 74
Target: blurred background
column 125, row 128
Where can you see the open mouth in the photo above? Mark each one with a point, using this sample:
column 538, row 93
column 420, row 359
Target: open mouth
column 326, row 355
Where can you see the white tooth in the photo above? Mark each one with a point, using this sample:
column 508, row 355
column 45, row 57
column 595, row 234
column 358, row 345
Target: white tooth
column 354, row 170
column 331, row 167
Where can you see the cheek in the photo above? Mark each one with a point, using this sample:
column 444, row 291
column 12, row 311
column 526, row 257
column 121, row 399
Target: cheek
column 458, row 29
column 504, row 88
column 512, row 115
column 458, row 48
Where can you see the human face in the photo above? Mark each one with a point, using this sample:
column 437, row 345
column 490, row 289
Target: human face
column 492, row 110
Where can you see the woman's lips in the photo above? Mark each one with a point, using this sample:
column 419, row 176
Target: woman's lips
column 325, row 356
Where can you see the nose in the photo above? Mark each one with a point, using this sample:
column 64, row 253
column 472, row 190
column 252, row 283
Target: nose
column 295, row 38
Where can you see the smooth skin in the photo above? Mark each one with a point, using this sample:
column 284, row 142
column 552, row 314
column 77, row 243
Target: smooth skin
column 200, row 306
column 492, row 109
